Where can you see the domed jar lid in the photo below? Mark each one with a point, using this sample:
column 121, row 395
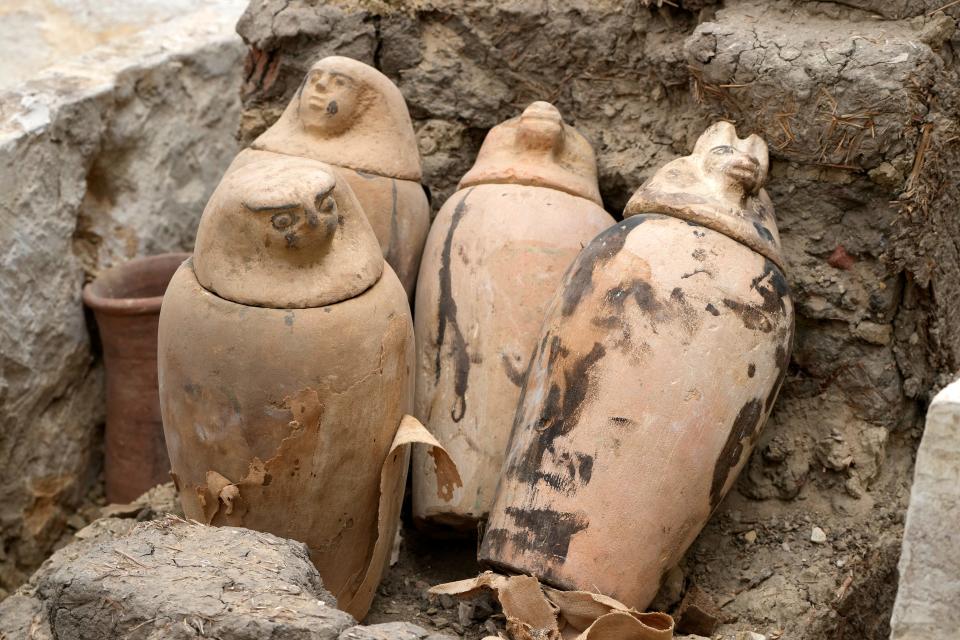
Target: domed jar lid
column 538, row 149
column 348, row 114
column 720, row 186
column 282, row 232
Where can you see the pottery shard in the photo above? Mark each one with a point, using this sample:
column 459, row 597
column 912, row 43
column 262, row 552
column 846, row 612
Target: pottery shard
column 698, row 613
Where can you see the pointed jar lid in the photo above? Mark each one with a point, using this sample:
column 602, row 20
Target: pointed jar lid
column 720, row 186
column 538, row 149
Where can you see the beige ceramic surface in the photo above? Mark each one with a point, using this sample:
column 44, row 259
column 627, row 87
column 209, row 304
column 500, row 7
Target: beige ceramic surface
column 349, row 114
column 274, row 234
column 399, row 213
column 285, row 367
column 494, row 258
column 659, row 361
column 537, row 148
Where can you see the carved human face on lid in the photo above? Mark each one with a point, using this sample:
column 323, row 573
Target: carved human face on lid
column 737, row 166
column 348, row 114
column 330, row 99
column 540, row 128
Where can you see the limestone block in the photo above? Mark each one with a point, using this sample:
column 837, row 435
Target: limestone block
column 102, row 158
column 926, row 604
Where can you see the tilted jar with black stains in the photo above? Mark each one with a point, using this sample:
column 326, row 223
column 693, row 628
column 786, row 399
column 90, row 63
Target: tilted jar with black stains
column 495, row 255
column 659, row 361
column 350, row 115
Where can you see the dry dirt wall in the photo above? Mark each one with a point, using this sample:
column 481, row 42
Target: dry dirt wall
column 858, row 101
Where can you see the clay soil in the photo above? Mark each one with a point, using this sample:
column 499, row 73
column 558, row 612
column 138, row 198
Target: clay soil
column 763, row 571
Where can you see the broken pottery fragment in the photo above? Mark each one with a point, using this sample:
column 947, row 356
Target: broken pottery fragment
column 659, row 361
column 494, row 258
column 537, row 612
column 350, row 115
column 285, row 366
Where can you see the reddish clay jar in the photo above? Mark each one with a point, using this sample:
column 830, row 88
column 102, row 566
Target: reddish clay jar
column 657, row 365
column 496, row 254
column 126, row 302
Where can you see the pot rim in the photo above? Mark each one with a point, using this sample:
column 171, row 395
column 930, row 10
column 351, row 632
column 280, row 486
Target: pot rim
column 120, row 306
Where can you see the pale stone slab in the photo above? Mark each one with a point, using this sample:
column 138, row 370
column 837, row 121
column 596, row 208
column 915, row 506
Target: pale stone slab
column 929, row 593
column 103, row 157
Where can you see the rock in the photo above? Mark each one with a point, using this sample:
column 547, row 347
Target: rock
column 750, row 536
column 671, row 590
column 174, row 578
column 698, row 613
column 391, row 631
column 750, row 635
column 929, row 587
column 159, row 500
column 170, row 578
column 102, row 158
column 22, row 614
column 818, row 536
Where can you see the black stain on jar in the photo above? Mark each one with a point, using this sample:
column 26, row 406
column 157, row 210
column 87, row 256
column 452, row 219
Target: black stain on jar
column 332, row 108
column 544, row 532
column 557, row 416
column 763, row 232
column 513, row 374
column 742, row 435
column 574, row 470
column 712, row 309
column 393, row 251
column 578, row 281
column 751, row 315
column 447, row 317
column 772, row 287
column 751, row 370
column 781, row 362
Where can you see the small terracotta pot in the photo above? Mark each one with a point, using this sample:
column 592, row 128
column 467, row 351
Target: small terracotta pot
column 495, row 256
column 126, row 302
column 658, row 363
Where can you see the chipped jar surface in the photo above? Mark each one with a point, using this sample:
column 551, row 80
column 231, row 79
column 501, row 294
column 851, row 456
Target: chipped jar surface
column 658, row 363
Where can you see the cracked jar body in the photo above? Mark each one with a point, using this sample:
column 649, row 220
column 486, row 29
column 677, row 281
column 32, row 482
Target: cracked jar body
column 659, row 361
